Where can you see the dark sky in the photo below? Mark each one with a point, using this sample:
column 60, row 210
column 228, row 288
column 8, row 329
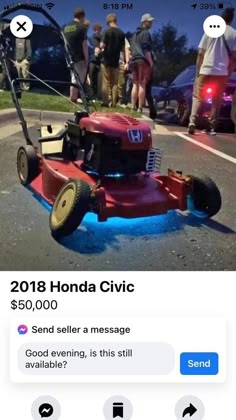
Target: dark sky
column 178, row 12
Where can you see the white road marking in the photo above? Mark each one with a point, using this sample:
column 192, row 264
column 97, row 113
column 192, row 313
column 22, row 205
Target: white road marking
column 208, row 148
column 9, row 130
column 161, row 129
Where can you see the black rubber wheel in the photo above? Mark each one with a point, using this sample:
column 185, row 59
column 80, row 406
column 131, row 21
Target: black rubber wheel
column 183, row 113
column 27, row 164
column 70, row 207
column 204, row 200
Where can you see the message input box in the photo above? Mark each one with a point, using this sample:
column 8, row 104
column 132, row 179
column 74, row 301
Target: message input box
column 118, row 350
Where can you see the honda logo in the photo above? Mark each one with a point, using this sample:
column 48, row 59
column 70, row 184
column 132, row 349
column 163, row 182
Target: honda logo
column 135, row 136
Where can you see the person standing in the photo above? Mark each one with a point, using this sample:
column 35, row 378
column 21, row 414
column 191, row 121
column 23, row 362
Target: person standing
column 215, row 62
column 142, row 61
column 95, row 62
column 112, row 44
column 2, row 78
column 123, row 69
column 23, row 54
column 76, row 36
column 149, row 99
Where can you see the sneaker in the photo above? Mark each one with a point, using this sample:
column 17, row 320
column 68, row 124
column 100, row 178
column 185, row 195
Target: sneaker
column 209, row 131
column 212, row 132
column 79, row 101
column 191, row 129
column 139, row 110
column 122, row 105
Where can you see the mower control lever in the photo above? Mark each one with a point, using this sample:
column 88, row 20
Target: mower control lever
column 57, row 136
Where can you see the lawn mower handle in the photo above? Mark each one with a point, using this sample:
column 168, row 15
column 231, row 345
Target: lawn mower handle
column 68, row 58
column 23, row 6
column 32, row 8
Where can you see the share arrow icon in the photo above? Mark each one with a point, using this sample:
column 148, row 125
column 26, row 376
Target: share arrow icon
column 189, row 410
column 194, row 6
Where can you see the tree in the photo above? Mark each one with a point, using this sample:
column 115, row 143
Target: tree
column 49, row 64
column 171, row 53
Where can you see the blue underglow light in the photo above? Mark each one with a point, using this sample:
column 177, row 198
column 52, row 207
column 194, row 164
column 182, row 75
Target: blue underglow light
column 90, row 172
column 201, row 214
column 115, row 175
column 112, row 175
column 40, row 199
column 92, row 219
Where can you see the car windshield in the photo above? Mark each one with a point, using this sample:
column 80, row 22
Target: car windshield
column 187, row 76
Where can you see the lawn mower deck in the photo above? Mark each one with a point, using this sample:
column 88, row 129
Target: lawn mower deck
column 117, row 196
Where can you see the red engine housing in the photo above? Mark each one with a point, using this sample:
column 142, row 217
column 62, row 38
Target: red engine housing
column 134, row 134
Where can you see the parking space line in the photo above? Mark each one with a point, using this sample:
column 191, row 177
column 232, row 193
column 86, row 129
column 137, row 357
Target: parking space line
column 162, row 130
column 9, row 130
column 208, row 148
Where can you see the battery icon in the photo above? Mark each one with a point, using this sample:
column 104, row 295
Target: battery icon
column 221, row 6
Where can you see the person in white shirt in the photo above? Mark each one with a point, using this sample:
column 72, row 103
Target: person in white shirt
column 215, row 62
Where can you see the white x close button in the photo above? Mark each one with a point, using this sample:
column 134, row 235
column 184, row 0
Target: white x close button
column 21, row 26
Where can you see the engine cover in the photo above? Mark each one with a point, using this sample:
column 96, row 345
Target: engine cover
column 133, row 134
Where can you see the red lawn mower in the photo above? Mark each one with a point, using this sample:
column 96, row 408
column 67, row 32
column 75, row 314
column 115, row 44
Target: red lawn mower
column 103, row 163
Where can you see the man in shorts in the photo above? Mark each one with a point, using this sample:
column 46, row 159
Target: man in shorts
column 76, row 36
column 215, row 62
column 112, row 44
column 142, row 61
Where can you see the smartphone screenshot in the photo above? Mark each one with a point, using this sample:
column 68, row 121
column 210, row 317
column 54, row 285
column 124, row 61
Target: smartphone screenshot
column 117, row 210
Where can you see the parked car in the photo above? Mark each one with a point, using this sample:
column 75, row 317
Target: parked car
column 157, row 91
column 233, row 110
column 176, row 99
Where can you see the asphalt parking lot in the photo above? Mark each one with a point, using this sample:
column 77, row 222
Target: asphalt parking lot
column 174, row 241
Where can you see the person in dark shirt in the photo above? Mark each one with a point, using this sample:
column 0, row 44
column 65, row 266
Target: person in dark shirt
column 112, row 44
column 76, row 36
column 142, row 61
column 95, row 62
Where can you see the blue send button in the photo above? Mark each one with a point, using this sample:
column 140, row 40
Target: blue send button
column 199, row 363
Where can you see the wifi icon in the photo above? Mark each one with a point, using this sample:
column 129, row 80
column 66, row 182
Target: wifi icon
column 50, row 5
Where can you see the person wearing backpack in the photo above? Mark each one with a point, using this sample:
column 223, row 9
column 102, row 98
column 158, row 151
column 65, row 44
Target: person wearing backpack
column 215, row 62
column 142, row 61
